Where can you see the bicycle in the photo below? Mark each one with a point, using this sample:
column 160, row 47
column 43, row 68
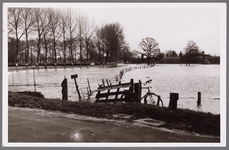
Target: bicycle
column 149, row 97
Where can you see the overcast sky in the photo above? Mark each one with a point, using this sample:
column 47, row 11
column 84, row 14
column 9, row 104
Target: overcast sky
column 172, row 26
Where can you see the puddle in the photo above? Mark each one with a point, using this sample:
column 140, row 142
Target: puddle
column 149, row 121
column 123, row 116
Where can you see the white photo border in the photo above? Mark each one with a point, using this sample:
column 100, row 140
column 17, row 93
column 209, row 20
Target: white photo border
column 223, row 33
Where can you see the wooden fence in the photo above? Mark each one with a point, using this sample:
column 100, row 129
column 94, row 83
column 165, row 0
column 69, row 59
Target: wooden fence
column 122, row 92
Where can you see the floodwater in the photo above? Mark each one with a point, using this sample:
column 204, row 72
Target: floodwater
column 185, row 80
column 166, row 79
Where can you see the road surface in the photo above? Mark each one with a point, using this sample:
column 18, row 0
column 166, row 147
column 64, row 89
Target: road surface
column 35, row 125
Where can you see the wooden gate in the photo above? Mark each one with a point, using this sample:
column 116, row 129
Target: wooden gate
column 116, row 93
column 122, row 92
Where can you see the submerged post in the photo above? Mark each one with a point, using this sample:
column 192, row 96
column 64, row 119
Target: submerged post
column 34, row 80
column 199, row 100
column 64, row 85
column 89, row 87
column 45, row 66
column 19, row 74
column 27, row 77
column 13, row 77
column 77, row 88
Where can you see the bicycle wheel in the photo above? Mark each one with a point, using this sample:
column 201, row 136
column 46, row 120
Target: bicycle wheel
column 154, row 99
column 160, row 102
column 150, row 99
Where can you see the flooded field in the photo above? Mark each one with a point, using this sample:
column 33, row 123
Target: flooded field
column 185, row 80
column 166, row 79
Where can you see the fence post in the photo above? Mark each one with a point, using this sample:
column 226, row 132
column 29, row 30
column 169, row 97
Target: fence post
column 131, row 96
column 137, row 91
column 173, row 100
column 45, row 66
column 89, row 87
column 19, row 74
column 64, row 85
column 77, row 88
column 34, row 79
column 199, row 99
column 13, row 77
column 27, row 77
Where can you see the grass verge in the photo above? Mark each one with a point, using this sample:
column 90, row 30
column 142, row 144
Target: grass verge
column 184, row 119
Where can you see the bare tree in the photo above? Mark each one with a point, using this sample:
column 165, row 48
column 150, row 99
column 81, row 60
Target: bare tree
column 89, row 30
column 10, row 20
column 81, row 20
column 27, row 15
column 125, row 53
column 110, row 39
column 171, row 53
column 150, row 47
column 40, row 23
column 45, row 32
column 71, row 31
column 16, row 27
column 54, row 18
column 63, row 26
column 191, row 50
column 100, row 44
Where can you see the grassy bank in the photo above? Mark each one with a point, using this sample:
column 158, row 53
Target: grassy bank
column 204, row 123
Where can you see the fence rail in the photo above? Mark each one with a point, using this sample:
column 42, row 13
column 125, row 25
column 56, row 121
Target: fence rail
column 125, row 92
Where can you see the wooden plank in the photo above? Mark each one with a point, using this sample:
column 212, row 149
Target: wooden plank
column 116, row 96
column 97, row 98
column 117, row 93
column 124, row 85
column 108, row 91
column 100, row 95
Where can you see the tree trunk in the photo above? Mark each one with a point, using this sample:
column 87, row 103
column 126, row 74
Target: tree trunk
column 64, row 47
column 31, row 56
column 148, row 60
column 87, row 48
column 54, row 48
column 17, row 50
column 81, row 57
column 27, row 48
column 46, row 48
column 38, row 49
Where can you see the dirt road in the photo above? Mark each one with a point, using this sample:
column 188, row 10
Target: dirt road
column 34, row 125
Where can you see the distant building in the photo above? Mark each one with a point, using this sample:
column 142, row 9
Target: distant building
column 213, row 60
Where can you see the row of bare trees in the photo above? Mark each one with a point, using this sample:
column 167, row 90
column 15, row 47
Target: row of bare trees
column 49, row 35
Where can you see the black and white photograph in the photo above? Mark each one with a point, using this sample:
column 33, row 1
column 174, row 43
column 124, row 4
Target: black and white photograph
column 114, row 74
